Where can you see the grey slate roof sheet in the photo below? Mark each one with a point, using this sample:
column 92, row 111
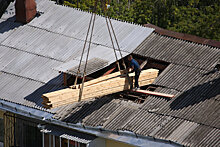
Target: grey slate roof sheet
column 76, row 22
column 191, row 118
column 22, row 90
column 117, row 114
column 179, row 51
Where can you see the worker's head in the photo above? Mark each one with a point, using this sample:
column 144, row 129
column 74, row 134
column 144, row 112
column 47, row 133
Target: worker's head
column 130, row 57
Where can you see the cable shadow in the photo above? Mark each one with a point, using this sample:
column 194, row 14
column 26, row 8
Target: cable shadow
column 86, row 108
column 197, row 94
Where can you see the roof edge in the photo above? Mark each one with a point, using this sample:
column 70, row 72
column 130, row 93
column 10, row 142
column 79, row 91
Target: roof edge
column 184, row 36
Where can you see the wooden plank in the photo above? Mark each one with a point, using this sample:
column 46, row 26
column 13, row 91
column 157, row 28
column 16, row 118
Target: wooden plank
column 96, row 93
column 115, row 82
column 72, row 97
column 98, row 80
column 86, row 97
column 143, row 64
column 112, row 85
column 155, row 93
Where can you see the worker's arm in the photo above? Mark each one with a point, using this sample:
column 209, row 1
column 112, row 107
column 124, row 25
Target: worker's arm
column 130, row 69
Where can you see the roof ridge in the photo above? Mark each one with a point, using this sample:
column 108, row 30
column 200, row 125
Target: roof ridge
column 184, row 36
column 78, row 9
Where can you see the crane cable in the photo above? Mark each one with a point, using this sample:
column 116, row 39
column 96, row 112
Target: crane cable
column 112, row 43
column 116, row 40
column 92, row 20
column 84, row 46
column 87, row 56
column 123, row 62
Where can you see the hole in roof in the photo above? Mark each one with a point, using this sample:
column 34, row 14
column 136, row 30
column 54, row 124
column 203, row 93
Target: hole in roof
column 217, row 67
column 128, row 95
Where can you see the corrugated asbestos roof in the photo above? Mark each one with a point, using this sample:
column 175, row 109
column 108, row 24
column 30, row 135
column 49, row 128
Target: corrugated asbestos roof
column 99, row 57
column 179, row 52
column 54, row 40
column 182, row 36
column 116, row 114
column 191, row 118
column 29, row 53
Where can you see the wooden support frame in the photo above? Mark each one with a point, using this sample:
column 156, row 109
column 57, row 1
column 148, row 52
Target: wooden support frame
column 64, row 79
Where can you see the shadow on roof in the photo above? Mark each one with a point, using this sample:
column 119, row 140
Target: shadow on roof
column 197, row 94
column 85, row 109
column 8, row 25
column 52, row 85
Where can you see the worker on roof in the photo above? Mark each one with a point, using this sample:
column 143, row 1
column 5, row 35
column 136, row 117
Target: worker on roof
column 134, row 66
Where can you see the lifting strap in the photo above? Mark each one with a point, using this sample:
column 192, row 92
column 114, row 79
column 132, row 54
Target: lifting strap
column 90, row 40
column 92, row 22
column 84, row 46
column 108, row 19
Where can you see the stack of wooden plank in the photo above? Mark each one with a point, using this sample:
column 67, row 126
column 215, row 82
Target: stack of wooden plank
column 101, row 86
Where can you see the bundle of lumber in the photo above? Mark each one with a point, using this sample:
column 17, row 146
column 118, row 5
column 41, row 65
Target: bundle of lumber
column 101, row 86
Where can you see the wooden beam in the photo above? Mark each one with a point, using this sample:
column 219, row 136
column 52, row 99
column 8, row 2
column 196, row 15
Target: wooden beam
column 100, row 79
column 155, row 93
column 143, row 64
column 109, row 84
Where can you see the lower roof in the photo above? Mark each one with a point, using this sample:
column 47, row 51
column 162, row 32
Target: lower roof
column 191, row 118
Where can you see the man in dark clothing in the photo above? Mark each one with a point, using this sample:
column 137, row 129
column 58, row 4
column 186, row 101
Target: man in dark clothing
column 135, row 67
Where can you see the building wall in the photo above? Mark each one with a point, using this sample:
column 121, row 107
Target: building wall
column 101, row 142
column 21, row 131
column 112, row 143
column 98, row 142
column 1, row 128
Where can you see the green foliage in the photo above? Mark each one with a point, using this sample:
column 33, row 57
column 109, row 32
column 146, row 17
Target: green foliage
column 196, row 17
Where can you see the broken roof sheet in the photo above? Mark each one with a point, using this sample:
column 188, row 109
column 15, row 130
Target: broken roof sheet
column 99, row 58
